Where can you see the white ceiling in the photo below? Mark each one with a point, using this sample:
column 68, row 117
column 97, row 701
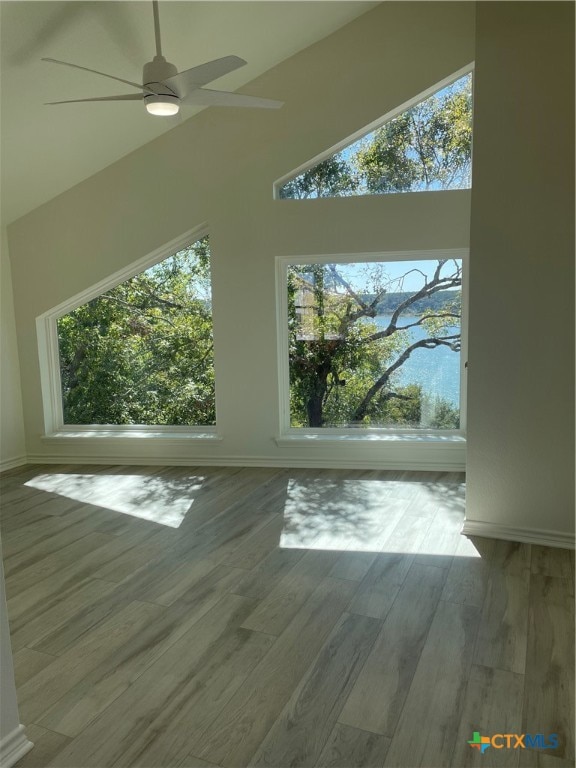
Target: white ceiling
column 48, row 149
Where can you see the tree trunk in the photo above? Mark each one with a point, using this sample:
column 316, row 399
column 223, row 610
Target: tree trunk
column 314, row 410
column 315, row 400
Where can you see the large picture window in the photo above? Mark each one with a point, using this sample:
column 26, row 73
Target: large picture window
column 375, row 344
column 141, row 353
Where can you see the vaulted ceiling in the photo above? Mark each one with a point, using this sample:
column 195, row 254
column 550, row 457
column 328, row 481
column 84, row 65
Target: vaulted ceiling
column 45, row 150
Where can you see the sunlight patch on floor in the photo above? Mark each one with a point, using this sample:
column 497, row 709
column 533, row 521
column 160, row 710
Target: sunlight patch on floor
column 375, row 516
column 158, row 499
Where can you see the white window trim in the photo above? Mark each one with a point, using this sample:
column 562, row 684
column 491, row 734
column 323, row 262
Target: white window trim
column 309, row 436
column 277, row 186
column 49, row 359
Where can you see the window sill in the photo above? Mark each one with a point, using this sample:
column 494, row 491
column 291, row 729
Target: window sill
column 309, row 439
column 135, row 434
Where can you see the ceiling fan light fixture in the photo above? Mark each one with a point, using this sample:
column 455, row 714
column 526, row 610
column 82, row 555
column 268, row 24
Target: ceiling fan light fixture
column 162, row 105
column 164, row 88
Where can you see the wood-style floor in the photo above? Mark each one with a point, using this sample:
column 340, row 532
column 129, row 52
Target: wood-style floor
column 181, row 617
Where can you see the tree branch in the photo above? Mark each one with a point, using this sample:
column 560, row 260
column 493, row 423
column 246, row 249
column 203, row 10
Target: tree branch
column 389, row 332
column 453, row 342
column 348, row 287
column 154, row 296
column 437, row 283
column 135, row 310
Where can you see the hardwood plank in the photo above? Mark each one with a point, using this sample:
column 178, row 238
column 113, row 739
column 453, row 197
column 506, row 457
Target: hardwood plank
column 503, row 630
column 199, row 699
column 299, row 734
column 440, row 543
column 203, row 595
column 11, row 526
column 423, row 505
column 533, row 758
column 41, row 536
column 175, row 579
column 332, row 512
column 408, row 535
column 47, row 745
column 224, row 532
column 58, row 505
column 245, row 720
column 252, row 551
column 219, row 580
column 493, row 704
column 13, row 492
column 27, row 664
column 194, row 762
column 278, row 608
column 511, row 556
column 551, row 561
column 468, row 575
column 22, row 535
column 90, row 696
column 37, row 696
column 227, row 495
column 136, row 557
column 549, row 688
column 377, row 698
column 385, row 513
column 428, row 725
column 380, row 586
column 353, row 565
column 68, row 577
column 352, row 748
column 54, row 563
column 60, row 612
column 37, row 501
column 135, row 720
column 260, row 581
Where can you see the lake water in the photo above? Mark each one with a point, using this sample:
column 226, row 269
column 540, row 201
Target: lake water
column 437, row 370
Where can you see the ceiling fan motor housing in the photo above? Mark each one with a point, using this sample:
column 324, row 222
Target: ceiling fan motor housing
column 155, row 72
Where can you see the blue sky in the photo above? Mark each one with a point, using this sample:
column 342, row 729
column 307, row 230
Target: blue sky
column 356, row 274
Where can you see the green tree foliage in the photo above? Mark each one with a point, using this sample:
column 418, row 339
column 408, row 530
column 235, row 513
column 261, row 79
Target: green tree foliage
column 331, row 177
column 142, row 353
column 427, row 147
column 344, row 368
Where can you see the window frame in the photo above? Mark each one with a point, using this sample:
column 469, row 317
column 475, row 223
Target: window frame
column 468, row 69
column 308, row 435
column 49, row 358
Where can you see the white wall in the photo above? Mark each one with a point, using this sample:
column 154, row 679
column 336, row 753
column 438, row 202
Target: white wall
column 521, row 342
column 12, row 448
column 218, row 169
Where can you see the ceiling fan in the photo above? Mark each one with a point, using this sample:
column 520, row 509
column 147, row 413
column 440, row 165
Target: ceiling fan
column 164, row 89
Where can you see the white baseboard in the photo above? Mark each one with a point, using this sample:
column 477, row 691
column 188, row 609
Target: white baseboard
column 441, row 465
column 17, row 461
column 14, row 746
column 539, row 536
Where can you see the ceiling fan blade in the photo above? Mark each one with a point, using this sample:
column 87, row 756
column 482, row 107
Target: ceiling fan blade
column 103, row 74
column 207, row 98
column 126, row 97
column 193, row 78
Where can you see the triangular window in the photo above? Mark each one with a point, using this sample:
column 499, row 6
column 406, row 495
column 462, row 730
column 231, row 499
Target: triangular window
column 426, row 147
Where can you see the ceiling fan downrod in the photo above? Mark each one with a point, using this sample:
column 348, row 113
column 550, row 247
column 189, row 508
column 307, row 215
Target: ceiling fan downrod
column 156, row 12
